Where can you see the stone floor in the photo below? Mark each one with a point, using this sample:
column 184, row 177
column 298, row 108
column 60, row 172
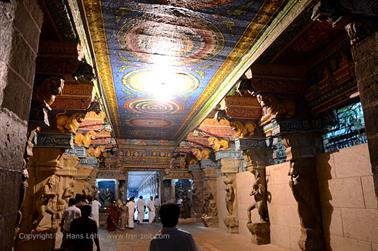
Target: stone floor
column 207, row 239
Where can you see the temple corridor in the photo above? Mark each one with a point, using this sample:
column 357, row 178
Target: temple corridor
column 254, row 121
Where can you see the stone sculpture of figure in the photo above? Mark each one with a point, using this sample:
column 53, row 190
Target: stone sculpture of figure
column 273, row 107
column 230, row 194
column 209, row 210
column 68, row 192
column 260, row 195
column 70, row 123
column 209, row 207
column 106, row 197
column 186, row 207
column 218, row 144
column 46, row 205
column 47, row 92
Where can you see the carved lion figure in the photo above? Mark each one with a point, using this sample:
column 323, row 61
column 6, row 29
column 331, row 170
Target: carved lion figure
column 46, row 93
column 95, row 151
column 85, row 140
column 218, row 144
column 69, row 123
column 243, row 130
column 201, row 153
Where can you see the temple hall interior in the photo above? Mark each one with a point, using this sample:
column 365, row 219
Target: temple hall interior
column 257, row 118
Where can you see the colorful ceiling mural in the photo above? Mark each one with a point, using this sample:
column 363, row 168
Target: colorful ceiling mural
column 161, row 61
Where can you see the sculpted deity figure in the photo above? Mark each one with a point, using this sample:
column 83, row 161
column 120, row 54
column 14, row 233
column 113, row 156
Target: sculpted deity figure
column 230, row 194
column 46, row 204
column 68, row 192
column 260, row 196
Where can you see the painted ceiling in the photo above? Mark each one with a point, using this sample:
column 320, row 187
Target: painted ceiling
column 163, row 63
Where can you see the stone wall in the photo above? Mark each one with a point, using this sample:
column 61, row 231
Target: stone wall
column 349, row 204
column 284, row 219
column 20, row 23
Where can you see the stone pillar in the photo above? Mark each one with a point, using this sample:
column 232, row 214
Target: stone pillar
column 258, row 156
column 197, row 190
column 20, row 23
column 209, row 207
column 302, row 142
column 230, row 163
column 365, row 57
column 51, row 184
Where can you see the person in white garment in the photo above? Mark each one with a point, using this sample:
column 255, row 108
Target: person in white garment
column 95, row 204
column 131, row 208
column 140, row 208
column 69, row 214
column 151, row 209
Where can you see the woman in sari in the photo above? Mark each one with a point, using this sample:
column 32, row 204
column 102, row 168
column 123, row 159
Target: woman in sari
column 112, row 217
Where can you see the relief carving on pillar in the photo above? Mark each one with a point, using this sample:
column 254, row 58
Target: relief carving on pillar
column 231, row 220
column 209, row 210
column 46, row 206
column 304, row 185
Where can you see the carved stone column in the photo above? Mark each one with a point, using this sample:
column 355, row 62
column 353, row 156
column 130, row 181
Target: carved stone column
column 258, row 155
column 302, row 142
column 51, row 184
column 197, row 190
column 230, row 163
column 209, row 206
column 365, row 57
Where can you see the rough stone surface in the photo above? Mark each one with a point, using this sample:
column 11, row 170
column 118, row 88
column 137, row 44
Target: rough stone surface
column 17, row 96
column 350, row 217
column 19, row 35
column 365, row 56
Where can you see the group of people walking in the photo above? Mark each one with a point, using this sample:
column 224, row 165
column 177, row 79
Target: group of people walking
column 121, row 214
column 80, row 223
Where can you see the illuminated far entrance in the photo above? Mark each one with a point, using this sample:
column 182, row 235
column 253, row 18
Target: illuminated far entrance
column 145, row 184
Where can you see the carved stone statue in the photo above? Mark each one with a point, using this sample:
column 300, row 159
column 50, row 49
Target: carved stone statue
column 230, row 194
column 201, row 153
column 259, row 193
column 85, row 140
column 46, row 206
column 209, row 210
column 243, row 130
column 106, row 197
column 46, row 93
column 95, row 151
column 70, row 123
column 218, row 144
column 273, row 107
column 68, row 192
column 186, row 207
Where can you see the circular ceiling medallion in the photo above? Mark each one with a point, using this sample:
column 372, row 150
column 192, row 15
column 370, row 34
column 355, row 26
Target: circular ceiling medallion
column 147, row 81
column 149, row 123
column 153, row 106
column 170, row 39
